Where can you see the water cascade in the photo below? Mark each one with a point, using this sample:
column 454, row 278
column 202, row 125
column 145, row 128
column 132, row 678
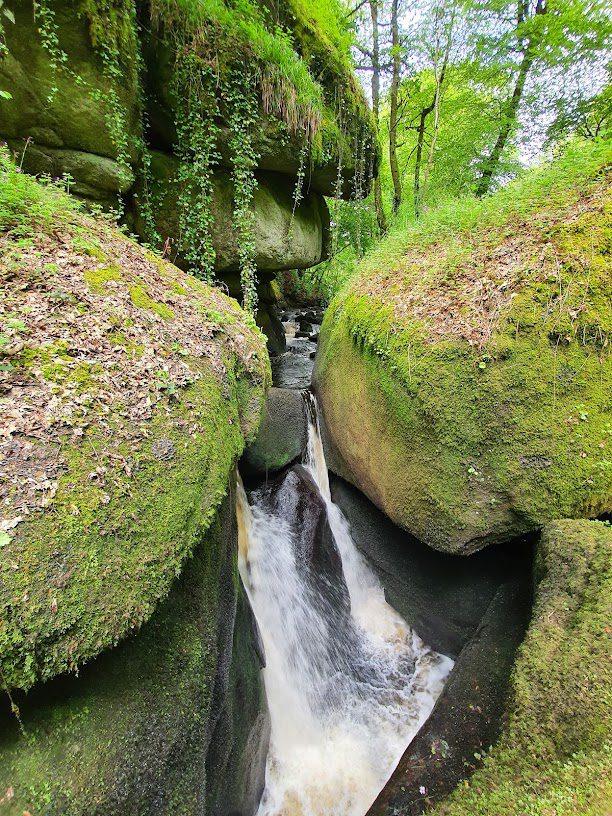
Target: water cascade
column 348, row 683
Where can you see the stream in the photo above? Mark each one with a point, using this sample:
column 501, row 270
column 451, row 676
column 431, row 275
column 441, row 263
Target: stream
column 293, row 369
column 348, row 683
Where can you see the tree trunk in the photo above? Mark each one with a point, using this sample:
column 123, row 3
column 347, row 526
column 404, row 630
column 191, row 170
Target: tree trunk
column 419, row 156
column 378, row 203
column 436, row 111
column 393, row 112
column 511, row 109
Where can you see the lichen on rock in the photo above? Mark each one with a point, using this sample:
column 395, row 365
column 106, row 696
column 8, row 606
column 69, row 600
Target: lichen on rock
column 113, row 359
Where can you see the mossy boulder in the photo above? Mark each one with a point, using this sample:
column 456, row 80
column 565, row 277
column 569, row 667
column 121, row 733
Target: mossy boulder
column 465, row 377
column 94, row 177
column 65, row 95
column 150, row 727
column 128, row 391
column 555, row 752
column 282, row 434
column 285, row 236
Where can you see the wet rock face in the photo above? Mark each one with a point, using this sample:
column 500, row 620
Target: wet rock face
column 175, row 714
column 294, row 497
column 442, row 597
column 467, row 717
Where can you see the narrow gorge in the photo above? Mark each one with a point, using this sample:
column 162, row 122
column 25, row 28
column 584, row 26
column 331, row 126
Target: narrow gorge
column 305, row 408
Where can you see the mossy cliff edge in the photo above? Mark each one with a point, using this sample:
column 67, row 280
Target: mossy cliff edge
column 237, row 116
column 465, row 378
column 129, row 389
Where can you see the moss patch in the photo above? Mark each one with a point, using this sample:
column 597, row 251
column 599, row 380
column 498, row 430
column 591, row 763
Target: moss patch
column 98, row 278
column 131, row 729
column 119, row 433
column 555, row 755
column 141, row 299
column 480, row 363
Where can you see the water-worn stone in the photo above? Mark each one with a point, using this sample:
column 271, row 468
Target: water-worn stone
column 442, row 597
column 281, row 437
column 172, row 720
column 556, row 727
column 294, row 497
column 284, row 238
column 93, row 176
column 466, row 719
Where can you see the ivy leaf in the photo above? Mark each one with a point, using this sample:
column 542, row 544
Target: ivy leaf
column 5, row 539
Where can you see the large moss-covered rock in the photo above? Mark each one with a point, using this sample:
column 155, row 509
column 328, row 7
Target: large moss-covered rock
column 555, row 753
column 285, row 236
column 65, row 95
column 129, row 389
column 171, row 721
column 466, row 378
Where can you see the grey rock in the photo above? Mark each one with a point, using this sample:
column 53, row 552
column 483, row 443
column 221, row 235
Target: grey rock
column 282, row 435
column 443, row 597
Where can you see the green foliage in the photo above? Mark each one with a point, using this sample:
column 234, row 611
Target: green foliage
column 554, row 182
column 112, row 25
column 241, row 99
column 27, row 205
column 228, row 57
column 5, row 14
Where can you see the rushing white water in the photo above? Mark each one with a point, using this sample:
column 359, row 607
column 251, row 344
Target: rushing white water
column 348, row 683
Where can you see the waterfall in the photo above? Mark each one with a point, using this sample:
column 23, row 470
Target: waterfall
column 348, row 683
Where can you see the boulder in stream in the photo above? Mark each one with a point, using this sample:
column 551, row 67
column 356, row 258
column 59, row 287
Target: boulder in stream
column 465, row 378
column 294, row 496
column 282, row 434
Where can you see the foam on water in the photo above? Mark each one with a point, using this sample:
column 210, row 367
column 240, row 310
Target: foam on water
column 346, row 693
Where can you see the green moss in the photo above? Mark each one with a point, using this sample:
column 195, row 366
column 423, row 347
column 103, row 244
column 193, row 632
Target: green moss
column 479, row 442
column 118, row 338
column 131, row 470
column 141, row 299
column 89, row 246
column 555, row 754
column 97, row 279
column 108, row 741
column 96, row 562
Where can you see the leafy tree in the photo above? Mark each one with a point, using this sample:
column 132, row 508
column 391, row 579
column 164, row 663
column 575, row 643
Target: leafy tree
column 524, row 37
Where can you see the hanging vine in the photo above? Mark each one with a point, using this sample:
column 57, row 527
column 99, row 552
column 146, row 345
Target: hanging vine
column 298, row 190
column 232, row 62
column 113, row 32
column 195, row 87
column 242, row 103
